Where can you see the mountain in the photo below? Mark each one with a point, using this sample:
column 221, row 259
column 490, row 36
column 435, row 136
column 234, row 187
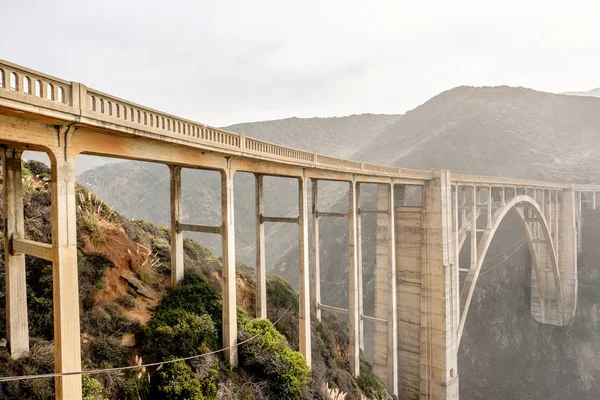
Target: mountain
column 337, row 136
column 478, row 129
column 591, row 93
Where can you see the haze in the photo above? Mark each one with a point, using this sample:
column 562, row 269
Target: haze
column 226, row 62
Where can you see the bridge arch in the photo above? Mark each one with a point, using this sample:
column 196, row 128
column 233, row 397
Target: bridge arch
column 547, row 249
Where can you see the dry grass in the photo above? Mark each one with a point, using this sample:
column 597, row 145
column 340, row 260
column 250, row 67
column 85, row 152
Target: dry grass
column 147, row 270
column 95, row 217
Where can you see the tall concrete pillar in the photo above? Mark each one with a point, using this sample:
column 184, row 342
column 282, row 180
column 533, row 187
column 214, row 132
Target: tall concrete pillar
column 316, row 268
column 17, row 327
column 67, row 347
column 176, row 217
column 568, row 238
column 439, row 293
column 353, row 292
column 387, row 333
column 229, row 277
column 303, row 272
column 361, row 330
column 261, row 277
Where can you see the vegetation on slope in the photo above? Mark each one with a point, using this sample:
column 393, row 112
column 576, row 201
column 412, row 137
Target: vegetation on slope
column 129, row 316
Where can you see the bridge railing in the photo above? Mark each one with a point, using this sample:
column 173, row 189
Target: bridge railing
column 28, row 86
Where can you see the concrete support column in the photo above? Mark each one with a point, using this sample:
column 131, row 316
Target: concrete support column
column 439, row 294
column 392, row 311
column 568, row 254
column 67, row 347
column 303, row 272
column 17, row 327
column 229, row 277
column 353, row 294
column 176, row 235
column 316, row 267
column 361, row 330
column 386, row 292
column 261, row 274
column 474, row 228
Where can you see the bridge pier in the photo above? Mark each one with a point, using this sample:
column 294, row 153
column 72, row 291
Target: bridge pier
column 304, row 344
column 229, row 276
column 177, row 266
column 427, row 293
column 67, row 347
column 17, row 328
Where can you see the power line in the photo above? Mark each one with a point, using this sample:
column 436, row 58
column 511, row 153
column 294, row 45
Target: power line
column 500, row 263
column 186, row 200
column 130, row 367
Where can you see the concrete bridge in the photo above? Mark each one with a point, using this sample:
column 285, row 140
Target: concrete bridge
column 420, row 307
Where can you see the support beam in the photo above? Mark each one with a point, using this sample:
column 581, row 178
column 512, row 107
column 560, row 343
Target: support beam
column 261, row 265
column 67, row 346
column 14, row 263
column 303, row 272
column 333, row 308
column 284, row 220
column 316, row 268
column 229, row 276
column 353, row 294
column 32, row 248
column 217, row 230
column 176, row 234
column 331, row 214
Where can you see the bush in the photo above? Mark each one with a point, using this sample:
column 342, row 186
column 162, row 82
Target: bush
column 179, row 333
column 194, row 294
column 269, row 357
column 92, row 388
column 107, row 350
column 177, row 381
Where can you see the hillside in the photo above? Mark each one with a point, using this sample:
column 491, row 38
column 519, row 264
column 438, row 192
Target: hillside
column 337, row 136
column 129, row 315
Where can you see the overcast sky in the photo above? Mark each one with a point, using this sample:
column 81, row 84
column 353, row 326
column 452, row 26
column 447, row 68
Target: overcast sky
column 222, row 62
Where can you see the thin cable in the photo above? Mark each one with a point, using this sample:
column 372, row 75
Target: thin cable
column 129, row 367
column 505, row 251
column 499, row 264
column 184, row 199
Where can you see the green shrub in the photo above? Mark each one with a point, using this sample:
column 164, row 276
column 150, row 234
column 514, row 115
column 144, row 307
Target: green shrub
column 91, row 388
column 177, row 381
column 369, row 384
column 269, row 357
column 194, row 294
column 179, row 333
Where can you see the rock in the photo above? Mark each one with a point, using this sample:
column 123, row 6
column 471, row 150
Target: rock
column 3, row 343
column 140, row 287
column 128, row 339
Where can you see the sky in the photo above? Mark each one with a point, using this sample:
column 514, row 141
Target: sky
column 225, row 62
